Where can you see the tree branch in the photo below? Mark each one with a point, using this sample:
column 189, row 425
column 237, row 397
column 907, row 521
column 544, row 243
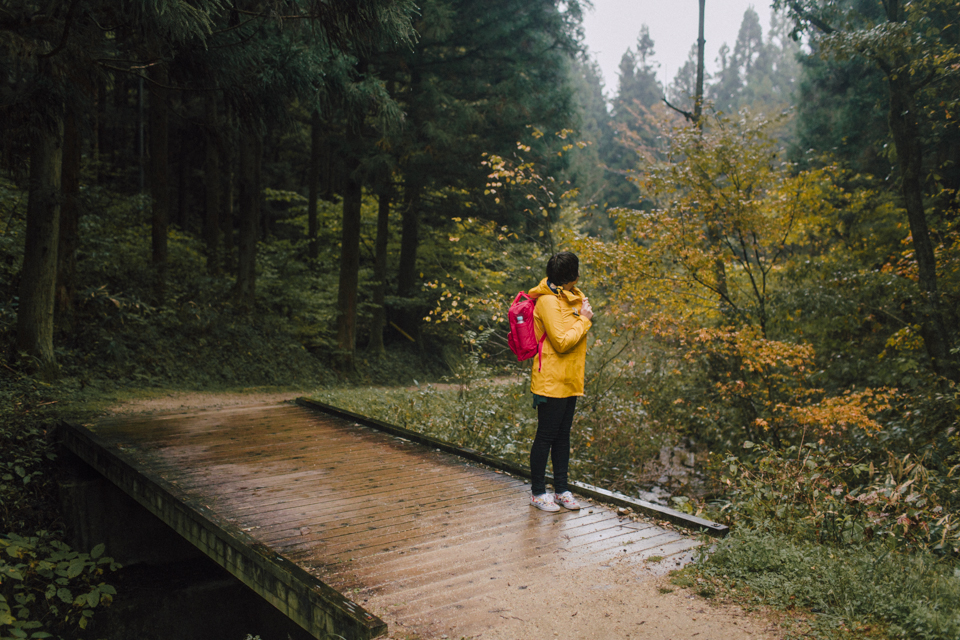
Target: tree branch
column 686, row 114
column 809, row 17
column 67, row 21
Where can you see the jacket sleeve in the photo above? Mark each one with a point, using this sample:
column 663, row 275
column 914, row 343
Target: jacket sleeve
column 564, row 330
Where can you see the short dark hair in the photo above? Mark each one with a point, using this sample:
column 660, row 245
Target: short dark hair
column 563, row 267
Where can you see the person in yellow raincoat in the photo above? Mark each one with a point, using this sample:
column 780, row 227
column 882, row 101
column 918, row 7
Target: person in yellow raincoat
column 564, row 314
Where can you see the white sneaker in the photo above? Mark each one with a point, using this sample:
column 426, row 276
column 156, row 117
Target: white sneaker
column 567, row 500
column 544, row 502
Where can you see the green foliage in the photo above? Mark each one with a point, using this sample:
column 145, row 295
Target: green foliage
column 476, row 267
column 480, row 74
column 757, row 73
column 12, row 208
column 27, row 491
column 840, row 111
column 197, row 337
column 852, row 590
column 48, row 590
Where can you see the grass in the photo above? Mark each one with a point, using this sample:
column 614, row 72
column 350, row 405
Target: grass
column 858, row 591
column 494, row 416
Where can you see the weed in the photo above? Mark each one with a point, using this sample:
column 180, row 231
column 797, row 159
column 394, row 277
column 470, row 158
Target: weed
column 683, row 578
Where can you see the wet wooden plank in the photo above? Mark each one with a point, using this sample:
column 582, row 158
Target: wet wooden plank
column 305, row 599
column 370, row 513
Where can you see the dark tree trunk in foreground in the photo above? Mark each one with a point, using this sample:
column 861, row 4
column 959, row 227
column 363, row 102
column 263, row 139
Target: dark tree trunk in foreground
column 349, row 269
column 379, row 320
column 250, row 152
column 313, row 186
column 159, row 182
column 906, row 137
column 212, row 186
column 69, row 223
column 39, row 274
column 905, row 128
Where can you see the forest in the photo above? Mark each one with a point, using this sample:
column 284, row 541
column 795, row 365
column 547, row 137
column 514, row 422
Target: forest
column 343, row 197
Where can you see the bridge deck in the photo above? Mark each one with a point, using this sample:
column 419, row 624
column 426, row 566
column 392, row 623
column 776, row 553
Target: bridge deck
column 415, row 537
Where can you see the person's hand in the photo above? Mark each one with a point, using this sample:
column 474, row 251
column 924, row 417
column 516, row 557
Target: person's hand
column 586, row 310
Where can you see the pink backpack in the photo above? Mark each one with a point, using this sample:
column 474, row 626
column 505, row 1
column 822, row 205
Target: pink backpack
column 523, row 338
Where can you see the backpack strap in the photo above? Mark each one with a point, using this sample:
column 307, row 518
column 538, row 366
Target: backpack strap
column 540, row 350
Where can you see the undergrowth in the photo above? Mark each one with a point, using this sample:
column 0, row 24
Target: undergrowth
column 860, row 539
column 854, row 591
column 47, row 589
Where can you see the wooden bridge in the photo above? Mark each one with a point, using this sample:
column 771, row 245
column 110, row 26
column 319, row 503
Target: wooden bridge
column 346, row 524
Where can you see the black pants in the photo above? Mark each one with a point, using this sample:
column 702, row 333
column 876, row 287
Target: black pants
column 554, row 419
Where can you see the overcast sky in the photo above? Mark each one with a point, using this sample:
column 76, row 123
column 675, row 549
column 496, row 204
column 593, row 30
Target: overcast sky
column 613, row 26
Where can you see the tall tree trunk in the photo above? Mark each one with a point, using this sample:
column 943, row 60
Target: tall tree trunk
column 180, row 156
column 379, row 320
column 409, row 240
column 698, row 99
column 229, row 184
column 713, row 231
column 39, row 274
column 266, row 212
column 349, row 268
column 250, row 152
column 159, row 181
column 313, row 186
column 69, row 223
column 98, row 139
column 906, row 137
column 212, row 186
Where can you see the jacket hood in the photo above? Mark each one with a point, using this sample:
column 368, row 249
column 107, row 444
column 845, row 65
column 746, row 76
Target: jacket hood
column 544, row 289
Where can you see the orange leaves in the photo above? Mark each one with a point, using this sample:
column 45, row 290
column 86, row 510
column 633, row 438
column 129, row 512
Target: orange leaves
column 770, row 381
column 834, row 415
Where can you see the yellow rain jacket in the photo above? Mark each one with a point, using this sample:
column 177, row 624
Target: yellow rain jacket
column 565, row 349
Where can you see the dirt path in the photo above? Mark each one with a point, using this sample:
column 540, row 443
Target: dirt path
column 615, row 601
column 607, row 602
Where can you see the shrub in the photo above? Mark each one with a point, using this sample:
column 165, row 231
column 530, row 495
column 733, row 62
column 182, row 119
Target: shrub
column 26, row 455
column 49, row 590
